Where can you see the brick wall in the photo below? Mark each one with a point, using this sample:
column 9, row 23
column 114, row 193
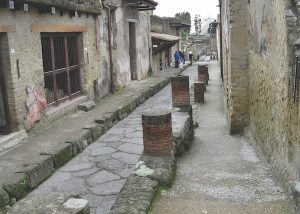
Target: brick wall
column 235, row 47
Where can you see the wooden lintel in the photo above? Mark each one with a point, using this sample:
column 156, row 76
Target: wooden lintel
column 7, row 28
column 58, row 28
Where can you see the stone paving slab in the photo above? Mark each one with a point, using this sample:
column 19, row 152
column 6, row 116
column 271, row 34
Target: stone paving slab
column 25, row 166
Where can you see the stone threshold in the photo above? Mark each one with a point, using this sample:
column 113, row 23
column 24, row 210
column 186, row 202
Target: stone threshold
column 16, row 186
column 11, row 140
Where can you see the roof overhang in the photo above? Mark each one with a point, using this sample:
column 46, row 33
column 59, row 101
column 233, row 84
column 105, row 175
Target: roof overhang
column 162, row 42
column 142, row 4
column 164, row 37
column 90, row 8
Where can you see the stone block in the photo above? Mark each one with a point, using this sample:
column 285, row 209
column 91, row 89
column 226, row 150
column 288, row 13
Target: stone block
column 62, row 203
column 62, row 155
column 203, row 74
column 199, row 88
column 87, row 106
column 163, row 168
column 18, row 187
column 39, row 172
column 136, row 196
column 97, row 130
column 4, row 198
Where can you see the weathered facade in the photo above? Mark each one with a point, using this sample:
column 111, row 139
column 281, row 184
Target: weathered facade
column 55, row 54
column 261, row 65
column 165, row 40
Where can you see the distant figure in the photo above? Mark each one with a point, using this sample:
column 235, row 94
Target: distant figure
column 182, row 56
column 177, row 58
column 191, row 57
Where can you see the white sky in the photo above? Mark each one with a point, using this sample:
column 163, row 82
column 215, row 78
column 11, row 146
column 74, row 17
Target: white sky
column 206, row 8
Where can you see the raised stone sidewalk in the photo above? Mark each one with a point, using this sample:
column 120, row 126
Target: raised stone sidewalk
column 26, row 166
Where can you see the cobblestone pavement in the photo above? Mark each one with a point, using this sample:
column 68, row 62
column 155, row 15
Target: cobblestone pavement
column 99, row 173
column 221, row 173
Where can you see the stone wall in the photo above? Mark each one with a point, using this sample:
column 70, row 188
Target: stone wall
column 268, row 63
column 25, row 46
column 274, row 117
column 120, row 30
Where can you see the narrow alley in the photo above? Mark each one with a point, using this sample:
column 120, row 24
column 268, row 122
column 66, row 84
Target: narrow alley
column 221, row 173
column 149, row 107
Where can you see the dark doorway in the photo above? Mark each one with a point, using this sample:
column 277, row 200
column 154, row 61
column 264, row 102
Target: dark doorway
column 132, row 50
column 4, row 114
column 167, row 56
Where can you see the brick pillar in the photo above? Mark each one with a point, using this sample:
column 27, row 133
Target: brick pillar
column 181, row 92
column 157, row 132
column 199, row 92
column 203, row 74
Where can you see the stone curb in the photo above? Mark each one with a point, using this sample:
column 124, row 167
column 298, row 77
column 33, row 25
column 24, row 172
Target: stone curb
column 139, row 191
column 37, row 173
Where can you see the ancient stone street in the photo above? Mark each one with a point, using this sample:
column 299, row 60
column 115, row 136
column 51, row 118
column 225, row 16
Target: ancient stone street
column 221, row 173
column 99, row 173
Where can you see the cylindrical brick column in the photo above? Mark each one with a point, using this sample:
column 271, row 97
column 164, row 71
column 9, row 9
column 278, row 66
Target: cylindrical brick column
column 199, row 92
column 181, row 92
column 157, row 132
column 203, row 74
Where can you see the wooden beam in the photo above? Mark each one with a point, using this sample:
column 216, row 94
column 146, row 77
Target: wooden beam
column 58, row 28
column 7, row 28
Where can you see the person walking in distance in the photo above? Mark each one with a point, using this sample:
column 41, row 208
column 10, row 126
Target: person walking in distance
column 191, row 57
column 177, row 58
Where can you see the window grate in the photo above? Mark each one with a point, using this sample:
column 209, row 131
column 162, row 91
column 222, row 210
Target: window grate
column 61, row 67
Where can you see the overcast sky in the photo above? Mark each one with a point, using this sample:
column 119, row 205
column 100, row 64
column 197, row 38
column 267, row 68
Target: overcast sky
column 206, row 8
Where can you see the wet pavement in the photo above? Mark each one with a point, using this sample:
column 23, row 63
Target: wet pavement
column 221, row 173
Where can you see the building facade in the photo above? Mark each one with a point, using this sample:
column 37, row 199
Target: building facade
column 165, row 34
column 261, row 63
column 56, row 54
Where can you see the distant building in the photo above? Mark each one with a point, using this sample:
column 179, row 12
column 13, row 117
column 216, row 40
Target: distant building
column 165, row 36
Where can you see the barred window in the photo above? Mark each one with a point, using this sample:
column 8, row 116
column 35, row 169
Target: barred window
column 61, row 67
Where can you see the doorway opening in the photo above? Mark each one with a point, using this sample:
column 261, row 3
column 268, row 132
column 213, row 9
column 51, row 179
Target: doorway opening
column 4, row 113
column 132, row 50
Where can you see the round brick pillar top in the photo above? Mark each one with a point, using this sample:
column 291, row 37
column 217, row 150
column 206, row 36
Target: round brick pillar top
column 156, row 113
column 199, row 82
column 179, row 77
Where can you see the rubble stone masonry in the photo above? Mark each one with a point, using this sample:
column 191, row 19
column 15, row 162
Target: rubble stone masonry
column 258, row 79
